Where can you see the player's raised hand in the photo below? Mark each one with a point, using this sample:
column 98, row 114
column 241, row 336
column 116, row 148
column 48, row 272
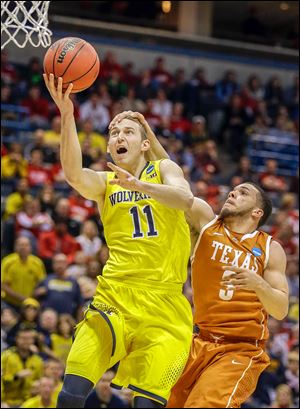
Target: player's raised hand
column 62, row 100
column 241, row 279
column 124, row 178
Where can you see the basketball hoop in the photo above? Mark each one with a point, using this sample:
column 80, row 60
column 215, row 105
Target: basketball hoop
column 23, row 21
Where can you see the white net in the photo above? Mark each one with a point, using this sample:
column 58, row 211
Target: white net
column 25, row 21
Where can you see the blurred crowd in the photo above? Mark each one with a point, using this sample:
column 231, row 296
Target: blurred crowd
column 53, row 246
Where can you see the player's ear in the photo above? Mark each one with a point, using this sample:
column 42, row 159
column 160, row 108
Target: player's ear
column 145, row 145
column 257, row 212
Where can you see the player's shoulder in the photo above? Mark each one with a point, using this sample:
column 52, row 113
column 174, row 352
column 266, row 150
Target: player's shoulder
column 276, row 247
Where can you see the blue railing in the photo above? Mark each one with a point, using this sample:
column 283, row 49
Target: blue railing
column 281, row 146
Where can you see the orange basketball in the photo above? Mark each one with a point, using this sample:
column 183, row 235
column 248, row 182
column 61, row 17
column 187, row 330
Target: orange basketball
column 73, row 59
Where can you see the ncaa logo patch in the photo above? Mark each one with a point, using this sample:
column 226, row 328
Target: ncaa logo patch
column 150, row 169
column 256, row 251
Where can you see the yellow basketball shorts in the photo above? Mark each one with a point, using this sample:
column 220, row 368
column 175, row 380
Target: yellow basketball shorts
column 147, row 328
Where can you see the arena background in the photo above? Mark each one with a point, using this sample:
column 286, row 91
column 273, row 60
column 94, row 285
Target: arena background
column 218, row 82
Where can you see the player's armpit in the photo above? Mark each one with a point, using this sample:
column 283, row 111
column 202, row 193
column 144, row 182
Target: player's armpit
column 91, row 184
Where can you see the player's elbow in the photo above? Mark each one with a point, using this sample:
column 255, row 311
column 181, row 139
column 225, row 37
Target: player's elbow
column 281, row 313
column 188, row 202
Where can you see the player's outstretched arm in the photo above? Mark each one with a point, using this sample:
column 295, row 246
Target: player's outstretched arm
column 87, row 182
column 156, row 150
column 271, row 289
column 174, row 192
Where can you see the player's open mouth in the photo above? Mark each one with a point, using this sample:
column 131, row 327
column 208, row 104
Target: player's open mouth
column 121, row 150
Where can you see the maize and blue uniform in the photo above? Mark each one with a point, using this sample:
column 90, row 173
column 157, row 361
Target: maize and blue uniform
column 139, row 315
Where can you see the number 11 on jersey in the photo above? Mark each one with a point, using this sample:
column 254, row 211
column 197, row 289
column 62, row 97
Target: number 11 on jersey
column 137, row 233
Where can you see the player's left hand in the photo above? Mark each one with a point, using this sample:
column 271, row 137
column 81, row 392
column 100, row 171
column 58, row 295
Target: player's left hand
column 124, row 178
column 241, row 279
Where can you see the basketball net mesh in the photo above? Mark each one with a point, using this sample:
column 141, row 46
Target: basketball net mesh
column 23, row 21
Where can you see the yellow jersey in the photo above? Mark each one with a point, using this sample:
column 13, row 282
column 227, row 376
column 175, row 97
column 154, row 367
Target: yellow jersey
column 22, row 276
column 146, row 239
column 36, row 402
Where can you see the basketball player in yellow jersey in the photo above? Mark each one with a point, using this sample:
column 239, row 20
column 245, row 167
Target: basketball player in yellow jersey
column 139, row 316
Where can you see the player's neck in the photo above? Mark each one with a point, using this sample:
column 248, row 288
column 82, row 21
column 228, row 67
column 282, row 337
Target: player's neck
column 240, row 225
column 136, row 167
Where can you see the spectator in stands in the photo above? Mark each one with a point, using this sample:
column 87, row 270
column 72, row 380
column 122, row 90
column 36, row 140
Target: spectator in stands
column 292, row 274
column 28, row 319
column 58, row 291
column 160, row 74
column 198, row 132
column 110, row 64
column 9, row 73
column 81, row 209
column 161, row 105
column 179, row 125
column 38, row 173
column 197, row 88
column 7, row 98
column 129, row 76
column 21, row 366
column 47, row 325
column 61, row 340
column 45, row 397
column 292, row 373
column 131, row 103
column 244, row 170
column 95, row 110
column 54, row 368
column 21, row 272
column 78, row 268
column 273, row 95
column 253, row 92
column 283, row 122
column 13, row 165
column 9, row 318
column 259, row 126
column 38, row 107
column 226, row 87
column 34, row 72
column 179, row 89
column 49, row 152
column 291, row 99
column 146, row 88
column 102, row 395
column 62, row 212
column 270, row 180
column 116, row 87
column 89, row 240
column 87, row 289
column 57, row 241
column 283, row 398
column 97, row 141
column 103, row 93
column 236, row 120
column 94, row 268
column 285, row 235
column 47, row 197
column 52, row 136
column 15, row 201
column 30, row 222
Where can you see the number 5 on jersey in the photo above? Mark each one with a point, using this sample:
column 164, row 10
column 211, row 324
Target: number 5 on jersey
column 227, row 294
column 137, row 233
